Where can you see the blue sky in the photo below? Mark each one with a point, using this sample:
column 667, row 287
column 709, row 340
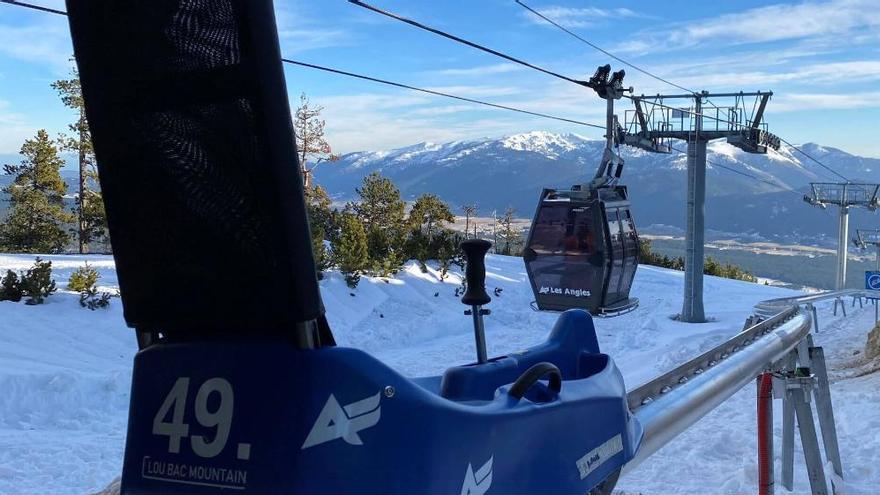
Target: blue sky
column 821, row 59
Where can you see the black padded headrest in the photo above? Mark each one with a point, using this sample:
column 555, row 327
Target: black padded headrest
column 191, row 125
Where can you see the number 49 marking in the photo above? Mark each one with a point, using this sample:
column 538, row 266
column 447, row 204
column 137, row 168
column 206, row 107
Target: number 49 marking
column 221, row 418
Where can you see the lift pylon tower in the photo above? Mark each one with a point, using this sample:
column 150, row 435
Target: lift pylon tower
column 868, row 237
column 652, row 120
column 844, row 195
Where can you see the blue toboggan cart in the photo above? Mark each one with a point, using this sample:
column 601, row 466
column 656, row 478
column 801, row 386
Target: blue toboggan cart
column 238, row 385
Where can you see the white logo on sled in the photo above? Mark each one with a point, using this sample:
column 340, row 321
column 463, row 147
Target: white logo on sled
column 596, row 457
column 564, row 291
column 344, row 422
column 477, row 483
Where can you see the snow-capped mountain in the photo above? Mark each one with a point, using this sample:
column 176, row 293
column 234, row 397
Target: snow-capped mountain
column 511, row 171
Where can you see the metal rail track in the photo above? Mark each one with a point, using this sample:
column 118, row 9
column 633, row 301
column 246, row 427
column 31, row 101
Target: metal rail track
column 671, row 403
column 774, row 306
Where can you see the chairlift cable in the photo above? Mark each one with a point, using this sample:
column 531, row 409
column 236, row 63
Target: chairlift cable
column 740, row 172
column 497, row 53
column 34, row 7
column 606, row 52
column 439, row 93
column 563, row 77
column 373, row 79
column 811, row 157
column 444, row 34
column 488, row 50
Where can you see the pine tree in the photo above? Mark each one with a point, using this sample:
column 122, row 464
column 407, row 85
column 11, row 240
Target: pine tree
column 83, row 278
column 351, row 250
column 711, row 267
column 37, row 283
column 85, row 281
column 382, row 212
column 426, row 229
column 469, row 211
column 319, row 208
column 91, row 216
column 508, row 233
column 321, row 224
column 36, row 217
column 312, row 148
column 428, row 214
column 416, row 248
column 10, row 287
column 447, row 252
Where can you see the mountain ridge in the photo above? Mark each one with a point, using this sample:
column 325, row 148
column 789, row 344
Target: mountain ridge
column 511, row 170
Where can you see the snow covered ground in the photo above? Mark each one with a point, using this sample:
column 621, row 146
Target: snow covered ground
column 65, row 371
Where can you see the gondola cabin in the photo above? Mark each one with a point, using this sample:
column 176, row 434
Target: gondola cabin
column 582, row 250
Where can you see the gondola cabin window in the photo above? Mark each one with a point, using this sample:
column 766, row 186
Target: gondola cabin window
column 614, row 238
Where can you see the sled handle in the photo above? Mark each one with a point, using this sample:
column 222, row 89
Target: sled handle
column 475, row 252
column 532, row 375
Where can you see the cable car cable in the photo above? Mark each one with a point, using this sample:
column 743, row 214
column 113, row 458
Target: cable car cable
column 606, row 52
column 497, row 53
column 615, row 57
column 400, row 85
column 373, row 79
column 480, row 47
column 34, row 7
column 815, row 160
column 740, row 172
column 440, row 93
column 463, row 41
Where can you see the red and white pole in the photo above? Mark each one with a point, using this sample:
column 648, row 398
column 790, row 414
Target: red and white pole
column 765, row 434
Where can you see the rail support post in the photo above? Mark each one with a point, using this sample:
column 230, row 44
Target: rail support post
column 765, row 434
column 799, row 391
column 842, row 306
column 787, row 444
column 804, row 375
column 825, row 410
column 787, row 429
column 812, row 309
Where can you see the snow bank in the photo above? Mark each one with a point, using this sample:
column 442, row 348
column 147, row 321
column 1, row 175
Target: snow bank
column 65, row 371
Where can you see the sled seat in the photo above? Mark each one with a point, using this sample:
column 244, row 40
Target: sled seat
column 572, row 347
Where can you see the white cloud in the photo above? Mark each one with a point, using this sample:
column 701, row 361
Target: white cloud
column 486, row 70
column 44, row 44
column 579, row 17
column 386, row 130
column 564, row 100
column 299, row 32
column 793, row 102
column 369, row 101
column 372, row 121
column 815, row 74
column 784, row 21
column 301, row 40
column 443, row 110
column 477, row 91
column 13, row 129
column 835, row 21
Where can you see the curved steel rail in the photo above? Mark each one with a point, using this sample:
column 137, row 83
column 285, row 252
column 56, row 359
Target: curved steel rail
column 671, row 403
column 774, row 306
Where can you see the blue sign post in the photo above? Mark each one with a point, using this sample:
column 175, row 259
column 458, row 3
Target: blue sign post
column 872, row 282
